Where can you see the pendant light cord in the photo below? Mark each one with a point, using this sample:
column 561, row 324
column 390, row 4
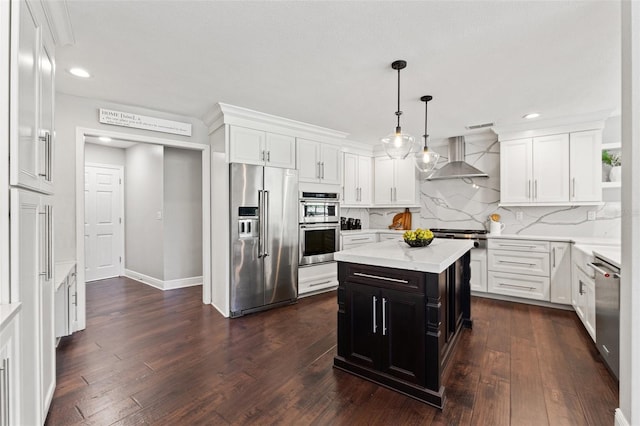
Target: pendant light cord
column 426, row 109
column 398, row 112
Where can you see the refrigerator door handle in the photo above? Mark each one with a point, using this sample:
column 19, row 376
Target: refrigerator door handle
column 260, row 222
column 265, row 202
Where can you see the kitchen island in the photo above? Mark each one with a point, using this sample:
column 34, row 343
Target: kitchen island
column 400, row 310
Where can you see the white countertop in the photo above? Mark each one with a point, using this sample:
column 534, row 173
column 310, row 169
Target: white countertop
column 577, row 240
column 61, row 270
column 609, row 253
column 434, row 258
column 371, row 231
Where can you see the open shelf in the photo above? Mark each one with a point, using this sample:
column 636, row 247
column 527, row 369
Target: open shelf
column 606, row 185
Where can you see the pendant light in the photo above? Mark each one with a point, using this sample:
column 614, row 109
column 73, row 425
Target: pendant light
column 398, row 144
column 426, row 160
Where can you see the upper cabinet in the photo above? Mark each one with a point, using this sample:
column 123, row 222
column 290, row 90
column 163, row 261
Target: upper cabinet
column 559, row 169
column 357, row 180
column 251, row 146
column 318, row 162
column 394, row 182
column 31, row 100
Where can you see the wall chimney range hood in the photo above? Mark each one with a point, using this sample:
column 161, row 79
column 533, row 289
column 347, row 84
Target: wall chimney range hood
column 456, row 167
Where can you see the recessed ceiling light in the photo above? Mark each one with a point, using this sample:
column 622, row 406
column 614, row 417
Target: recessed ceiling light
column 531, row 115
column 104, row 139
column 79, row 72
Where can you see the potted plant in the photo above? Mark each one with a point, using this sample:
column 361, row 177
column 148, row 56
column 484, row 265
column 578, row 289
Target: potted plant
column 615, row 162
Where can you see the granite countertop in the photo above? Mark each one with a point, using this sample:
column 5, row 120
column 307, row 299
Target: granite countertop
column 434, row 258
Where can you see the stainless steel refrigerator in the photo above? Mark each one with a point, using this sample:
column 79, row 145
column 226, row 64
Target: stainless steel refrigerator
column 264, row 237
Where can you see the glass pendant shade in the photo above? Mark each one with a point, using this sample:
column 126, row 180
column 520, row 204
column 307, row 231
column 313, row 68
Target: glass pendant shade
column 426, row 160
column 398, row 145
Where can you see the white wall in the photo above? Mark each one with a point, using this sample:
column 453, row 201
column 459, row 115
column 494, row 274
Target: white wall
column 72, row 112
column 94, row 153
column 144, row 241
column 182, row 213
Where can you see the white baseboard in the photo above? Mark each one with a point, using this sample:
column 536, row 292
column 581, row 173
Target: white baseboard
column 182, row 282
column 160, row 284
column 620, row 420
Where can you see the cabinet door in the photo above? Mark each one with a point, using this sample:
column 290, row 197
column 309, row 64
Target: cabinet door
column 383, row 181
column 281, row 151
column 46, row 131
column 330, row 164
column 560, row 273
column 308, row 161
column 478, row 280
column 585, row 165
column 46, row 311
column 590, row 308
column 246, row 146
column 25, row 42
column 9, row 376
column 363, row 306
column 515, row 171
column 72, row 301
column 350, row 184
column 404, row 182
column 403, row 335
column 551, row 169
column 364, row 179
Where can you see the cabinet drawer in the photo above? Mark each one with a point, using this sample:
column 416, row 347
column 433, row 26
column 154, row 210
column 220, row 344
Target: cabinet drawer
column 519, row 285
column 317, row 277
column 519, row 262
column 518, row 245
column 357, row 239
column 396, row 279
column 389, row 236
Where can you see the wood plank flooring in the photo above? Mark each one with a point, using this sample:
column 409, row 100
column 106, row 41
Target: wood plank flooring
column 164, row 358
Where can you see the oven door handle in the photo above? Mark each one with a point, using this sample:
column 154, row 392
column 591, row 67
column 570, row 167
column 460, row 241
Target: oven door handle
column 320, row 226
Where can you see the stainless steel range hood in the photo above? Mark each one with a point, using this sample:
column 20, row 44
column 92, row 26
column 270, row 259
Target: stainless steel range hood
column 456, row 167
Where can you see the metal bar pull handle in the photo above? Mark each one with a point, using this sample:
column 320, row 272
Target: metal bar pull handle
column 322, row 169
column 49, row 210
column 573, row 184
column 269, row 156
column 266, row 224
column 261, row 223
column 529, row 188
column 375, row 325
column 43, row 138
column 580, row 290
column 554, row 257
column 391, row 194
column 603, row 272
column 384, row 316
column 535, row 186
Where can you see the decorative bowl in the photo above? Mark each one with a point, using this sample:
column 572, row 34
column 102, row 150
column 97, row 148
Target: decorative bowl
column 419, row 243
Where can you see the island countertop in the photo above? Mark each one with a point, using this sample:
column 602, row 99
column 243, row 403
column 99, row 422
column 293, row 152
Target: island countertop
column 434, row 258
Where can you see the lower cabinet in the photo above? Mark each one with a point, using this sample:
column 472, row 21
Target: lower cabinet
column 66, row 304
column 398, row 327
column 9, row 369
column 478, row 280
column 583, row 294
column 317, row 278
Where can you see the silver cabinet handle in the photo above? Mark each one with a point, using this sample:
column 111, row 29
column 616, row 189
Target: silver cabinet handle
column 318, row 170
column 529, row 189
column 322, row 163
column 573, row 183
column 515, row 245
column 375, row 326
column 266, row 224
column 390, row 194
column 384, row 316
column 516, row 286
column 554, row 257
column 535, row 186
column 516, row 263
column 50, row 240
column 395, row 194
column 580, row 290
column 602, row 271
column 269, row 156
column 320, row 283
column 360, row 239
column 377, row 277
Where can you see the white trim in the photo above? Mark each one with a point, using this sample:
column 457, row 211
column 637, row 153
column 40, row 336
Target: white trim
column 121, row 212
column 546, row 128
column 5, row 48
column 182, row 282
column 620, row 420
column 206, row 207
column 144, row 279
column 160, row 284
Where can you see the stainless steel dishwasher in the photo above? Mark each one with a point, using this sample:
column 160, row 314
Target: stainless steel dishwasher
column 608, row 312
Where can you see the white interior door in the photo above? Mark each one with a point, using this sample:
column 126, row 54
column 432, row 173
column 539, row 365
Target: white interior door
column 104, row 236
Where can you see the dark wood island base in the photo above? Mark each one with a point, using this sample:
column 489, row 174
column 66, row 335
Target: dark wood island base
column 398, row 327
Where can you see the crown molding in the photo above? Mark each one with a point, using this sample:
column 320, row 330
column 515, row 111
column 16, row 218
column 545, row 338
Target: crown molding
column 229, row 114
column 57, row 15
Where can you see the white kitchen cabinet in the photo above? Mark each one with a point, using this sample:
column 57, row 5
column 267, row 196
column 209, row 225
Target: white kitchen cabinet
column 318, row 162
column 394, row 182
column 585, row 165
column 357, row 180
column 583, row 296
column 32, row 285
column 519, row 285
column 478, row 281
column 560, row 259
column 390, row 236
column 9, row 365
column 66, row 313
column 354, row 240
column 31, row 99
column 559, row 169
column 317, row 278
column 261, row 148
column 519, row 262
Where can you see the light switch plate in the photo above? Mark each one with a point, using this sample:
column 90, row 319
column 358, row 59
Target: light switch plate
column 159, row 215
column 591, row 215
column 519, row 216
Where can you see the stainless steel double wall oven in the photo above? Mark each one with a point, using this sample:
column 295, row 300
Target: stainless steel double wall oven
column 319, row 218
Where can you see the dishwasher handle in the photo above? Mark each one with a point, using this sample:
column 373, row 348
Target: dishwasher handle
column 605, row 272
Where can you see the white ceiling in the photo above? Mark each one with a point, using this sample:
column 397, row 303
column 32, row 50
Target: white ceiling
column 328, row 63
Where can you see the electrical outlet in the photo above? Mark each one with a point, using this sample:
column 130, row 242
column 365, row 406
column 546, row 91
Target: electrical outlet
column 519, row 216
column 159, row 215
column 591, row 215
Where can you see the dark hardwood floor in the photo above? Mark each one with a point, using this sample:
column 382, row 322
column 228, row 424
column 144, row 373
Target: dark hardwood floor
column 164, row 358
